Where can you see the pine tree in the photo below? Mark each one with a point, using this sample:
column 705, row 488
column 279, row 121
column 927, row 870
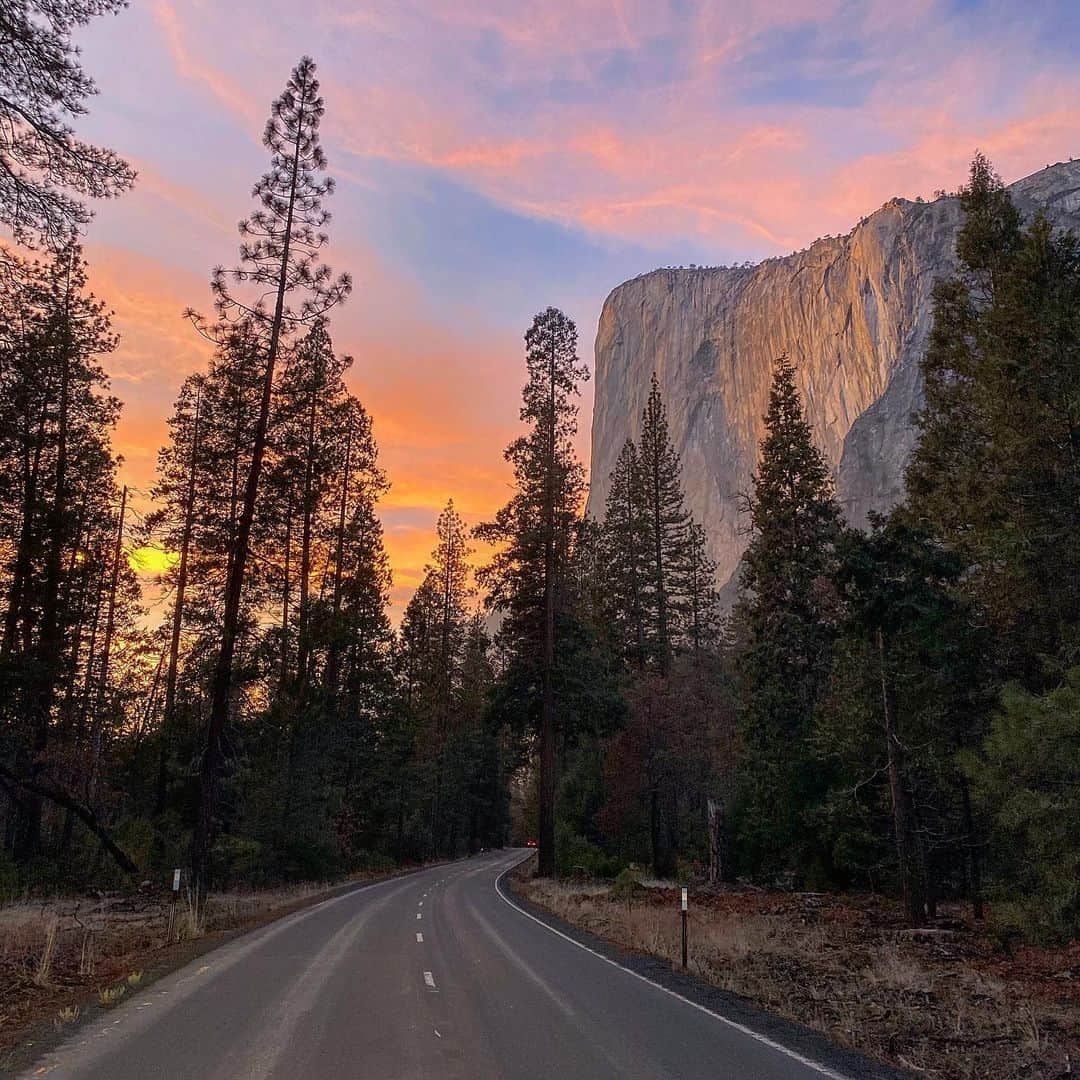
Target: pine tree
column 996, row 473
column 625, row 555
column 180, row 464
column 447, row 579
column 280, row 254
column 667, row 522
column 784, row 620
column 41, row 85
column 55, row 419
column 699, row 605
column 526, row 579
column 905, row 627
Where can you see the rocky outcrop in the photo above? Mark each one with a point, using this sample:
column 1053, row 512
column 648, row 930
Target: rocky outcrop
column 854, row 312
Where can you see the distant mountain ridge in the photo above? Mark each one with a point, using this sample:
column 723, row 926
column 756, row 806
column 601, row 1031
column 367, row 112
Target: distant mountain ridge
column 853, row 312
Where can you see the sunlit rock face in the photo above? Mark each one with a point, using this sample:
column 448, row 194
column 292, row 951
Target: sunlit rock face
column 854, row 312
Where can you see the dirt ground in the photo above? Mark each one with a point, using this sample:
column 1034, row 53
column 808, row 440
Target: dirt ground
column 63, row 958
column 948, row 1003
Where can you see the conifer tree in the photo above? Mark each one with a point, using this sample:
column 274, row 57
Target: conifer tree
column 699, row 603
column 526, row 579
column 784, row 620
column 996, row 473
column 184, row 444
column 279, row 254
column 55, row 419
column 448, row 577
column 42, row 86
column 667, row 523
column 625, row 555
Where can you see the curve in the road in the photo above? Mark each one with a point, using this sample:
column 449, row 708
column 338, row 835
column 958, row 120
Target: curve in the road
column 438, row 974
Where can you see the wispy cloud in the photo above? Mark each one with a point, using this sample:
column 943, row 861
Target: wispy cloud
column 499, row 155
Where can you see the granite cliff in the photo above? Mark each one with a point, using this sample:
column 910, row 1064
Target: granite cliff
column 853, row 311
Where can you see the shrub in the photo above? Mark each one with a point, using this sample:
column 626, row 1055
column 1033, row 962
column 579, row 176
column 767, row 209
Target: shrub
column 1025, row 780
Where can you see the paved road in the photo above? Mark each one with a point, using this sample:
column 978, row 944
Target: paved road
column 435, row 975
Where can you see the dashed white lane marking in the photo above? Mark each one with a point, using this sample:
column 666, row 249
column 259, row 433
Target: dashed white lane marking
column 421, row 904
column 418, row 915
column 437, row 1035
column 429, row 980
column 756, row 1036
column 419, row 938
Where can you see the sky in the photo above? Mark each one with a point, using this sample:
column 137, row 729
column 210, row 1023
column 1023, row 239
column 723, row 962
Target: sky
column 494, row 157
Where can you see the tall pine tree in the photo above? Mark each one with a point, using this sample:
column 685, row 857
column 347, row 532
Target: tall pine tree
column 527, row 578
column 785, row 625
column 279, row 254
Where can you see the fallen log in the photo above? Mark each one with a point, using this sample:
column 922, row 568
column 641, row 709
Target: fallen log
column 87, row 816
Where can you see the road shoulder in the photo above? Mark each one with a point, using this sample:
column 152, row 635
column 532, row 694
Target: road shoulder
column 801, row 1040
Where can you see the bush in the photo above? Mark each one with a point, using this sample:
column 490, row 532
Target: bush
column 577, row 857
column 1026, row 780
column 238, row 860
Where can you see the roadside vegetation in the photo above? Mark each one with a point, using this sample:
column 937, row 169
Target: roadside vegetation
column 890, row 710
column 947, row 1004
column 61, row 957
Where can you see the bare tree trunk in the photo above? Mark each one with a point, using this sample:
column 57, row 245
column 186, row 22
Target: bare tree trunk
column 911, row 875
column 971, row 850
column 721, row 868
column 303, row 646
column 106, row 648
column 333, row 660
column 178, row 616
column 286, row 597
column 546, row 853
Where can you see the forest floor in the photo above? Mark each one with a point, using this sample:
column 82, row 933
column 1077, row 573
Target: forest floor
column 949, row 1003
column 61, row 959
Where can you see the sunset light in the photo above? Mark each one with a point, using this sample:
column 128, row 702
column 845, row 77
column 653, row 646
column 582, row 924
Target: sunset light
column 152, row 559
column 501, row 500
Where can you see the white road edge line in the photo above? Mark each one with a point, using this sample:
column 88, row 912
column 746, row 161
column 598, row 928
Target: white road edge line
column 756, row 1036
column 419, row 938
column 429, row 980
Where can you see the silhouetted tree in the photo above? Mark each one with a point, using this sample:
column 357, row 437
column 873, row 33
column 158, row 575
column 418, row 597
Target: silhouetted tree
column 280, row 254
column 42, row 87
column 526, row 578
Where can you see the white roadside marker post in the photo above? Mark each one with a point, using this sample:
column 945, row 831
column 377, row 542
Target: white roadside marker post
column 172, row 906
column 684, row 906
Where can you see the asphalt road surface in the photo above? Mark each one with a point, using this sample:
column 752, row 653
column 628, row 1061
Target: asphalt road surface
column 435, row 975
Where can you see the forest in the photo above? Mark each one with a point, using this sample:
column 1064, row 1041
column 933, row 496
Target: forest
column 895, row 709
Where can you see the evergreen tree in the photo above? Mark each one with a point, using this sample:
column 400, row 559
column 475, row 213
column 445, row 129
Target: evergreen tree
column 625, row 555
column 526, row 579
column 913, row 704
column 785, row 624
column 42, row 85
column 667, row 522
column 279, row 253
column 55, row 421
column 699, row 605
column 996, row 473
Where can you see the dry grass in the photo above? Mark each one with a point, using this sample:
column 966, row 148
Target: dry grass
column 57, row 955
column 948, row 1006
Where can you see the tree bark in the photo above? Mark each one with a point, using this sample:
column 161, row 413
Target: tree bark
column 721, row 868
column 50, row 644
column 911, row 876
column 87, row 816
column 106, row 648
column 178, row 615
column 546, row 852
column 221, row 686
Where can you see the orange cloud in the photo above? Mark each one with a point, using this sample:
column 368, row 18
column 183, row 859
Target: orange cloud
column 221, row 86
